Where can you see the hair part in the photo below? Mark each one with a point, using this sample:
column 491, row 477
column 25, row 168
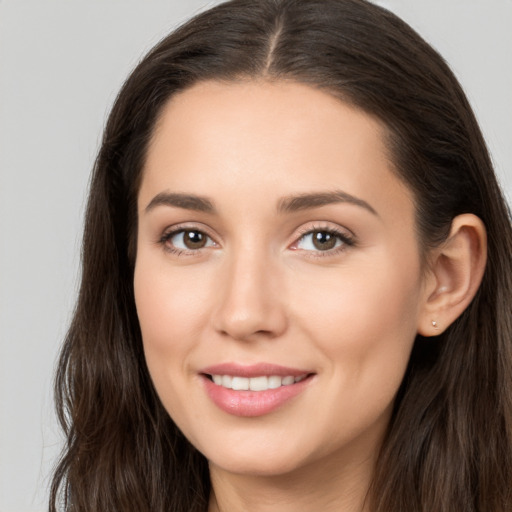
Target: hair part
column 449, row 444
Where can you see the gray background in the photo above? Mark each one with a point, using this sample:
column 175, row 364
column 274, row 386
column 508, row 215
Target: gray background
column 61, row 64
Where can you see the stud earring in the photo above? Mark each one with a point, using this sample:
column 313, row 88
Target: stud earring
column 434, row 324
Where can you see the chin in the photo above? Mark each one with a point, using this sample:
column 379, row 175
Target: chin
column 261, row 465
column 259, row 457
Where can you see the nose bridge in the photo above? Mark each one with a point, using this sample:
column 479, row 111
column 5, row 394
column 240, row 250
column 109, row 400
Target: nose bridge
column 249, row 299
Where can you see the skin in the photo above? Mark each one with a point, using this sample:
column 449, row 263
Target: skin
column 260, row 291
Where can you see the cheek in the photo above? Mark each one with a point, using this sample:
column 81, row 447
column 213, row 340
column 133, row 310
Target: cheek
column 170, row 309
column 169, row 306
column 364, row 319
column 171, row 312
column 364, row 325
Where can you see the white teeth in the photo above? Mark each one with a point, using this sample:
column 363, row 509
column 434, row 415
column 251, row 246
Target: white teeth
column 240, row 383
column 258, row 383
column 274, row 382
column 255, row 383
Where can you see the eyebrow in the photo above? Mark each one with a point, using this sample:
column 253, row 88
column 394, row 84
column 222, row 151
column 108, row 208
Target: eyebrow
column 286, row 205
column 185, row 201
column 316, row 200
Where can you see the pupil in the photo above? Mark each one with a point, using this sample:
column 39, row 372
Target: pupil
column 194, row 239
column 323, row 240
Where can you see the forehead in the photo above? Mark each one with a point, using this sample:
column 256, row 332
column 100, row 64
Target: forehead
column 256, row 139
column 264, row 114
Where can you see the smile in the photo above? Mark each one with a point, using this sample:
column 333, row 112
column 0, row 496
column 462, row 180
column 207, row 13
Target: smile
column 253, row 390
column 261, row 383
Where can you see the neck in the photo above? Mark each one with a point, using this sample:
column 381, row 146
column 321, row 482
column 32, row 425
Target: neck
column 323, row 485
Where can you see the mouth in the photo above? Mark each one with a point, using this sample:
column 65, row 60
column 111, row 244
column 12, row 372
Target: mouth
column 253, row 390
column 259, row 383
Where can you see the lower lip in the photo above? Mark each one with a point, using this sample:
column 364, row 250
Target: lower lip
column 252, row 403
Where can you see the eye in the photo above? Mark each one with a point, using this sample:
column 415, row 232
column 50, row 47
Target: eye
column 322, row 240
column 187, row 240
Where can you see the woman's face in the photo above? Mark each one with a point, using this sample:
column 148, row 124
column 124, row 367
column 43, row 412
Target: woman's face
column 276, row 252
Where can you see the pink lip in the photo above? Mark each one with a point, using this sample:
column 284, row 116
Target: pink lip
column 252, row 403
column 253, row 370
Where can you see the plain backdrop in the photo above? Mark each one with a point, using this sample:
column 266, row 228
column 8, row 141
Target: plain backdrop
column 61, row 65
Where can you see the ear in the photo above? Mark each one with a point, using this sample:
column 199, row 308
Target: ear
column 455, row 272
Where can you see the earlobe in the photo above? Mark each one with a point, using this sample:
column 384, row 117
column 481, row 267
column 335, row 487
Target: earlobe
column 455, row 272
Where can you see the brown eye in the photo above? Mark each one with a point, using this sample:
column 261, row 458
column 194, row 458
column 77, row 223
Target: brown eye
column 194, row 239
column 187, row 240
column 323, row 240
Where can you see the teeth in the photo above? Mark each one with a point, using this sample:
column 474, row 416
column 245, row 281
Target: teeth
column 274, row 382
column 240, row 383
column 255, row 383
column 258, row 383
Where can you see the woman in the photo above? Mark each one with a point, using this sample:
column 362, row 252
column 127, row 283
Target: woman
column 296, row 283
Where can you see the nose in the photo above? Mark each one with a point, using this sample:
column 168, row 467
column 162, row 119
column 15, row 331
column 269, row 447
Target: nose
column 251, row 300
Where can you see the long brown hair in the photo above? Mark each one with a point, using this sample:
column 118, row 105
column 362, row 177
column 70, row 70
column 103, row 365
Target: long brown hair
column 449, row 446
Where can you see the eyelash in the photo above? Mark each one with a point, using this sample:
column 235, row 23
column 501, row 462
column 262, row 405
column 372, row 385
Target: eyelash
column 168, row 235
column 347, row 240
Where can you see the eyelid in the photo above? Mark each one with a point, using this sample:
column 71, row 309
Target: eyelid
column 346, row 236
column 324, row 226
column 171, row 231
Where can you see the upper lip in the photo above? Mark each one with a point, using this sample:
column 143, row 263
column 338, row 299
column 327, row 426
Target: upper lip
column 253, row 370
